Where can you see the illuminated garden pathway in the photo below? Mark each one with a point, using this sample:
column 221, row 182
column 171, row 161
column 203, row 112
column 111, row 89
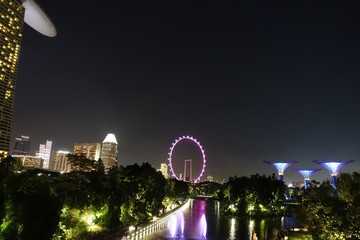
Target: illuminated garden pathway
column 218, row 225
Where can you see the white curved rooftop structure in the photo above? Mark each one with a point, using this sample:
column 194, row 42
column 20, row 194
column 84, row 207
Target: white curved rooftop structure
column 36, row 18
column 110, row 138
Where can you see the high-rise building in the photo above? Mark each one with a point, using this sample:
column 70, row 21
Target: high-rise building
column 13, row 13
column 89, row 150
column 210, row 178
column 164, row 170
column 60, row 161
column 22, row 145
column 45, row 153
column 109, row 151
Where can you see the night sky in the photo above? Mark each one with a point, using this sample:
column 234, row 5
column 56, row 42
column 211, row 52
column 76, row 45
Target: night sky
column 250, row 82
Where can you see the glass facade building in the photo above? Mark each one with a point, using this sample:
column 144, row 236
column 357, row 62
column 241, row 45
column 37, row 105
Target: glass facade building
column 109, row 151
column 11, row 27
column 45, row 153
column 60, row 161
column 22, row 145
column 13, row 14
column 89, row 150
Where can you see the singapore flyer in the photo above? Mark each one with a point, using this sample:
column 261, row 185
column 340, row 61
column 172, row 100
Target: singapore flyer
column 202, row 153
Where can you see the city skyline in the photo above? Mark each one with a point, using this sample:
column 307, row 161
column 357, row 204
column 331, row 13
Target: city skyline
column 252, row 84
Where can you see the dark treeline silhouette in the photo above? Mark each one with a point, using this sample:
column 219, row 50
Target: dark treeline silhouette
column 90, row 203
column 37, row 204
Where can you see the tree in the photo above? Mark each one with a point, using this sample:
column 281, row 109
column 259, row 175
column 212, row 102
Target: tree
column 9, row 166
column 32, row 208
column 80, row 162
column 330, row 216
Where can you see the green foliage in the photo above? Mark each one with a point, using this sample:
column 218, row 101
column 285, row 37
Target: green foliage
column 32, row 207
column 207, row 188
column 8, row 167
column 255, row 195
column 329, row 216
column 176, row 189
column 145, row 191
column 77, row 205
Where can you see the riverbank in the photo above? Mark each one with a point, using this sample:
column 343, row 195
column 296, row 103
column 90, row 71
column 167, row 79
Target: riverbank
column 157, row 223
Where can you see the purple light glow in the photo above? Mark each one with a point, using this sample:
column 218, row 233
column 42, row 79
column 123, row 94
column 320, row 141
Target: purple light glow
column 307, row 172
column 203, row 226
column 182, row 222
column 202, row 152
column 333, row 166
column 280, row 166
column 173, row 226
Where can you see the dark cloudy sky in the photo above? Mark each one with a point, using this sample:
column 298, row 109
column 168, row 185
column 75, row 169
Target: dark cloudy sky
column 251, row 83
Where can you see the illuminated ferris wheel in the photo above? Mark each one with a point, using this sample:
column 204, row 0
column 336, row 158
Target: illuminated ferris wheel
column 202, row 153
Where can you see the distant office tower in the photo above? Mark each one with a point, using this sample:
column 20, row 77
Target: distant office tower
column 109, row 151
column 164, row 170
column 30, row 161
column 307, row 174
column 90, row 150
column 22, row 145
column 188, row 178
column 333, row 166
column 13, row 13
column 210, row 178
column 60, row 161
column 280, row 166
column 45, row 153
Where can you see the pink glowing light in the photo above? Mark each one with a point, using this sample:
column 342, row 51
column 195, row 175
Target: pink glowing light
column 203, row 226
column 202, row 152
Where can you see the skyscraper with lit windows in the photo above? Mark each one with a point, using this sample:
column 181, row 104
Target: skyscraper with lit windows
column 11, row 26
column 109, row 151
column 164, row 170
column 90, row 150
column 44, row 153
column 13, row 14
column 22, row 145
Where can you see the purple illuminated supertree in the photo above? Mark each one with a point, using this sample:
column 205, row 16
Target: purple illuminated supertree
column 307, row 173
column 333, row 166
column 280, row 166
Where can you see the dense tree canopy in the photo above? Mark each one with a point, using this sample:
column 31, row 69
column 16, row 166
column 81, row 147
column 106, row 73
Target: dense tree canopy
column 254, row 195
column 329, row 216
column 37, row 204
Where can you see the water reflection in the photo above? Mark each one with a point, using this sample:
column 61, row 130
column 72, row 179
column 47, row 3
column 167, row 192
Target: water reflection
column 190, row 224
column 203, row 226
column 251, row 228
column 232, row 229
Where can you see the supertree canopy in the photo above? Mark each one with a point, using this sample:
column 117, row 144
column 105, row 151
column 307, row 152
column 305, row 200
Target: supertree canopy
column 307, row 173
column 280, row 166
column 333, row 166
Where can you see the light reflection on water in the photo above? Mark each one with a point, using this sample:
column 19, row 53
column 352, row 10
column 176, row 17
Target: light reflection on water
column 218, row 225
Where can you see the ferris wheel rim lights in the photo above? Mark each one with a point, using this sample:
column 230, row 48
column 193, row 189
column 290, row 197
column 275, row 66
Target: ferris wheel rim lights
column 202, row 153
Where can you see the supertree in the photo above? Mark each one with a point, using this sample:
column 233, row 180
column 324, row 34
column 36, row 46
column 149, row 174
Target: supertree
column 333, row 166
column 306, row 174
column 280, row 166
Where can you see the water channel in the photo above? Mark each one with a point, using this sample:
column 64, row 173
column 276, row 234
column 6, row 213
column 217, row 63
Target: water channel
column 201, row 218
